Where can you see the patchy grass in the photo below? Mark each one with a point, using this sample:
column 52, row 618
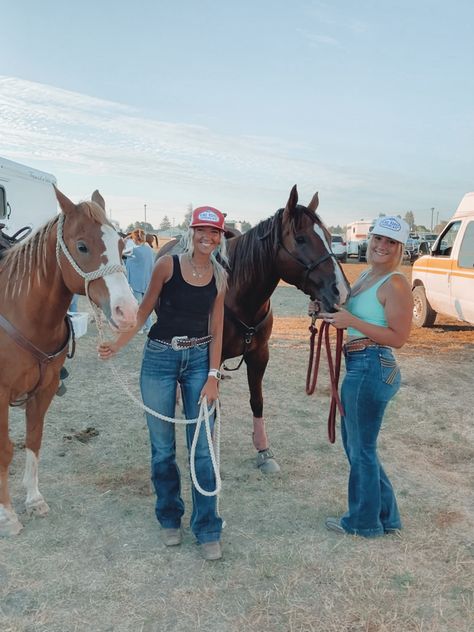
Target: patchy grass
column 96, row 562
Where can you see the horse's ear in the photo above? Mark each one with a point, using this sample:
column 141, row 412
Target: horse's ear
column 98, row 199
column 313, row 205
column 64, row 202
column 292, row 201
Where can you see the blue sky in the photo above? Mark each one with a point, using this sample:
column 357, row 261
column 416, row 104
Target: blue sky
column 231, row 103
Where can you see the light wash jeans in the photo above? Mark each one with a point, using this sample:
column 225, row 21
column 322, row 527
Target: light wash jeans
column 372, row 379
column 149, row 321
column 162, row 369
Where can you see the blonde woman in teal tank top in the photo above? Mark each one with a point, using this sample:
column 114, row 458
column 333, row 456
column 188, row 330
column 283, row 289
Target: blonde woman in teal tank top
column 377, row 317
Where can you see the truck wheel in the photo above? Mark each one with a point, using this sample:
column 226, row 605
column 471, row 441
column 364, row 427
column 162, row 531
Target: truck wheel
column 360, row 256
column 423, row 314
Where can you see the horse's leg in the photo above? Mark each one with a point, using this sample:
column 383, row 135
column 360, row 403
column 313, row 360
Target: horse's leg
column 9, row 523
column 35, row 411
column 256, row 364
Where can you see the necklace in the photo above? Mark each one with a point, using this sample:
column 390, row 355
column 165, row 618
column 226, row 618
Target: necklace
column 198, row 271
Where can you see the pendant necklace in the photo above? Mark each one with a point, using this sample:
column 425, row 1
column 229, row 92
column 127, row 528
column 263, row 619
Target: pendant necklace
column 198, row 271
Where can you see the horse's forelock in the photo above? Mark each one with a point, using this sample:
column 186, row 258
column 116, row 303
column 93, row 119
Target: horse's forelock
column 94, row 211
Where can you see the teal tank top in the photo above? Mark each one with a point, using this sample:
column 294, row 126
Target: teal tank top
column 367, row 306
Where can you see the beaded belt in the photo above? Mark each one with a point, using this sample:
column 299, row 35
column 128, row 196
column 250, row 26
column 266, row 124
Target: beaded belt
column 359, row 344
column 183, row 342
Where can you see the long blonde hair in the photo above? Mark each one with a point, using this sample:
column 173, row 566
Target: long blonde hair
column 220, row 273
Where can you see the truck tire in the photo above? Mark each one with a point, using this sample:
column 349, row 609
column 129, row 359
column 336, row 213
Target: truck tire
column 360, row 256
column 423, row 314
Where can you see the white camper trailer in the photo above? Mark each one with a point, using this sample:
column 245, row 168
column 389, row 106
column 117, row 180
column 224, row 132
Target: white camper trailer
column 357, row 232
column 26, row 196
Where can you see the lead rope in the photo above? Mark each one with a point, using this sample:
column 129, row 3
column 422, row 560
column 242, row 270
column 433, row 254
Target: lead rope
column 204, row 411
column 334, row 366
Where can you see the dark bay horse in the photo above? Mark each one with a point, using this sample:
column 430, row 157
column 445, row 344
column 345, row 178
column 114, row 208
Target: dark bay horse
column 293, row 245
column 79, row 252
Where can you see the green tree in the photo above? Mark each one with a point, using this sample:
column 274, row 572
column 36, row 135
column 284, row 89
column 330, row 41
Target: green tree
column 410, row 220
column 165, row 223
column 246, row 226
column 146, row 226
column 187, row 218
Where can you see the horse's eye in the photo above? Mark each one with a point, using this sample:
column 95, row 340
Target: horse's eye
column 300, row 239
column 82, row 248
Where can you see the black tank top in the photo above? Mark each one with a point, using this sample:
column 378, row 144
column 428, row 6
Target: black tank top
column 183, row 309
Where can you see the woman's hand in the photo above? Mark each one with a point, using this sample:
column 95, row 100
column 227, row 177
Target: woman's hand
column 108, row 349
column 341, row 318
column 210, row 390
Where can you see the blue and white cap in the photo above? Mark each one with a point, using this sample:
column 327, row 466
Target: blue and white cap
column 392, row 227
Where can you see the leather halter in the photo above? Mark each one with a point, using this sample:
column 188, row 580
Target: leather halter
column 43, row 358
column 309, row 267
column 334, row 366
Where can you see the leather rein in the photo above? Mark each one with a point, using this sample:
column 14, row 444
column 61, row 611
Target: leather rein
column 334, row 366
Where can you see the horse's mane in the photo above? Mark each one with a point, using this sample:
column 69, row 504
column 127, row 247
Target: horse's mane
column 253, row 251
column 29, row 258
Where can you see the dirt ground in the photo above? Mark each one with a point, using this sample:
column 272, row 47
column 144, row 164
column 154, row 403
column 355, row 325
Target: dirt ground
column 96, row 562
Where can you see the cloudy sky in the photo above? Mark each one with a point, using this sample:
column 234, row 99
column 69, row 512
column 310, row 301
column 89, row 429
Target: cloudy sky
column 230, row 104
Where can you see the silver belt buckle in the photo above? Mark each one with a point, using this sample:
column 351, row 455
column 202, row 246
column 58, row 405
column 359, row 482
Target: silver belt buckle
column 176, row 340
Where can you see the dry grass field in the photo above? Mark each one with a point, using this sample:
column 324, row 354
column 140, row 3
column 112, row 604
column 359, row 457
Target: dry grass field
column 96, row 563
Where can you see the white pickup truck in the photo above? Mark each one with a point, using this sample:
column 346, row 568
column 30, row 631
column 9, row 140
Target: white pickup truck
column 443, row 281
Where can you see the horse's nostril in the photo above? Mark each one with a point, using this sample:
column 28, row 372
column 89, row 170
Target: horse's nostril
column 335, row 289
column 119, row 312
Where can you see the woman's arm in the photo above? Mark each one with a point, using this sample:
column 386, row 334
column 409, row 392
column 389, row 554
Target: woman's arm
column 395, row 296
column 162, row 272
column 210, row 388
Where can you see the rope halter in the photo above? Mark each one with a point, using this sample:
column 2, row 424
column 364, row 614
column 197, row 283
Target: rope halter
column 102, row 270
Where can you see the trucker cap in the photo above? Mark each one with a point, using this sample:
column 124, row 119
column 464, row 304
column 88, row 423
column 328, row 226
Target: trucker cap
column 392, row 227
column 207, row 216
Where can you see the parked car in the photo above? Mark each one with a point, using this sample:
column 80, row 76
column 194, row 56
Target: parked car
column 339, row 247
column 443, row 281
column 362, row 248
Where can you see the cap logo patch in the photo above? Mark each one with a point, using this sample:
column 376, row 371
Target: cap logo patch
column 390, row 223
column 208, row 216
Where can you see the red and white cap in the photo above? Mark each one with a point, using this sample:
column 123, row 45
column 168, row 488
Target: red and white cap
column 207, row 216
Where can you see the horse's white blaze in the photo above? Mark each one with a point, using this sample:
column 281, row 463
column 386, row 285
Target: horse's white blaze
column 123, row 305
column 340, row 281
column 30, row 479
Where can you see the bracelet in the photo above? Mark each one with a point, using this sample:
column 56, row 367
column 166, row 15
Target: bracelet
column 215, row 373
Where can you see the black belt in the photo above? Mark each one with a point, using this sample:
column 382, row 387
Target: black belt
column 183, row 342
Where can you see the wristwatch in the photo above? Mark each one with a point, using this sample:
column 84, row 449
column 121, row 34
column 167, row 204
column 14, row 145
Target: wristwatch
column 215, row 373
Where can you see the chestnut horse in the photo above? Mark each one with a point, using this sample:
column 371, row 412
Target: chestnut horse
column 79, row 252
column 293, row 245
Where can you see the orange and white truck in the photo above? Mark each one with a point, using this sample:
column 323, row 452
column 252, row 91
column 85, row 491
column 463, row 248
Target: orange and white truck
column 443, row 281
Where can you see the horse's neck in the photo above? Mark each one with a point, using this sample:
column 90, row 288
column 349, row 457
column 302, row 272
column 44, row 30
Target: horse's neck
column 253, row 301
column 37, row 301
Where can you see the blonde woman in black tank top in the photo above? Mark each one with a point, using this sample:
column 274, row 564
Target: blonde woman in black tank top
column 183, row 348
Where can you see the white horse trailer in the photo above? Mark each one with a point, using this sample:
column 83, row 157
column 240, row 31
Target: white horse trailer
column 356, row 232
column 27, row 196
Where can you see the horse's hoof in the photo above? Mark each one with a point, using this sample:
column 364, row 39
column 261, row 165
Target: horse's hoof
column 9, row 523
column 266, row 463
column 37, row 507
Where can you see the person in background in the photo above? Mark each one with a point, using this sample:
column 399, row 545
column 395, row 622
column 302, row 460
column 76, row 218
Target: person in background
column 139, row 265
column 377, row 317
column 152, row 241
column 184, row 348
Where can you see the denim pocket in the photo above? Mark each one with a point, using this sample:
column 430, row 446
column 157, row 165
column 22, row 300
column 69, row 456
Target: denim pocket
column 202, row 347
column 389, row 369
column 155, row 346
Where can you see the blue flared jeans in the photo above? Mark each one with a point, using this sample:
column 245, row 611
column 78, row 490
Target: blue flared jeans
column 371, row 380
column 162, row 370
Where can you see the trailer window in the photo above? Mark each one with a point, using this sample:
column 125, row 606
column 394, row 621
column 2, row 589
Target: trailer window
column 3, row 203
column 466, row 252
